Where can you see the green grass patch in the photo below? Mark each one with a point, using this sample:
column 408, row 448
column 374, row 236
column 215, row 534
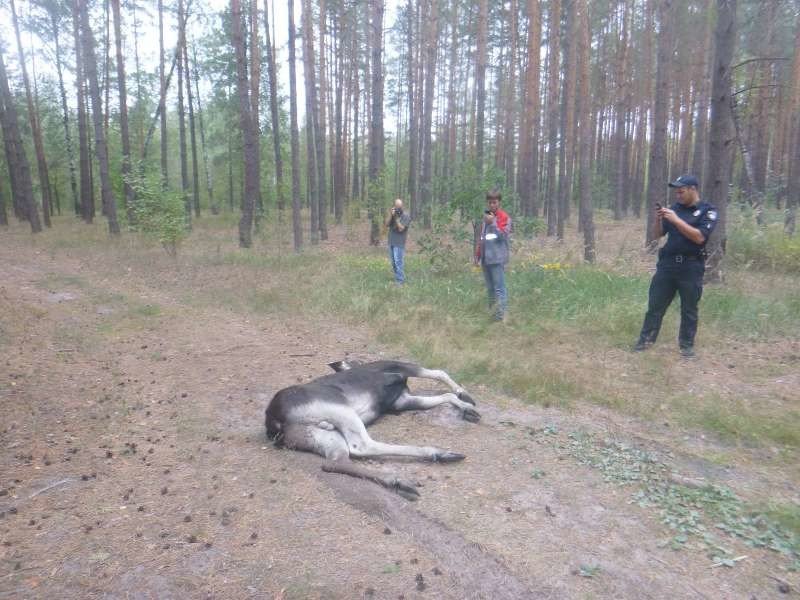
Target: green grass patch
column 750, row 246
column 705, row 516
column 733, row 420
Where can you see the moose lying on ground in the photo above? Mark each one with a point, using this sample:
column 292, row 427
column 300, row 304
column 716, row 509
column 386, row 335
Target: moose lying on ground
column 329, row 416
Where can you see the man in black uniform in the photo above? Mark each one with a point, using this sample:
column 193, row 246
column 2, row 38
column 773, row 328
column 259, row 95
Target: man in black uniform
column 681, row 263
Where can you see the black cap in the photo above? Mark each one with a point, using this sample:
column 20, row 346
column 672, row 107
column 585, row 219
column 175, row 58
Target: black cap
column 684, row 181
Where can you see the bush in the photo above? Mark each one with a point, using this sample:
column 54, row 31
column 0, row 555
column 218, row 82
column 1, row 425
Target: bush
column 764, row 248
column 158, row 213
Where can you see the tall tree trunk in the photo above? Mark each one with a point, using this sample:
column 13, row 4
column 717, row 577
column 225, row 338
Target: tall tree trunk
column 357, row 190
column 657, row 170
column 209, row 188
column 793, row 135
column 250, row 146
column 3, row 211
column 700, row 151
column 254, row 46
column 480, row 80
column 413, row 114
column 162, row 106
column 297, row 229
column 54, row 21
column 338, row 156
column 621, row 164
column 123, row 112
column 585, row 130
column 510, row 100
column 529, row 133
column 721, row 133
column 101, row 148
column 87, row 189
column 426, row 190
column 568, row 131
column 554, row 47
column 321, row 126
column 187, row 201
column 16, row 158
column 272, row 74
column 33, row 117
column 192, row 132
column 312, row 116
column 376, row 185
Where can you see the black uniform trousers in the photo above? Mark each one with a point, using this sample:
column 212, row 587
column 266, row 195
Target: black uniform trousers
column 681, row 274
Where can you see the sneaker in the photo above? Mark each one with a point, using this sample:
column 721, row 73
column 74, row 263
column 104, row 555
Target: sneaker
column 688, row 352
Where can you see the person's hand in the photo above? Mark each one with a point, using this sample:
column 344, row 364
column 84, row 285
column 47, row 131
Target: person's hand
column 668, row 214
column 488, row 218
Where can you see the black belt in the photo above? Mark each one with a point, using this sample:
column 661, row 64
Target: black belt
column 680, row 258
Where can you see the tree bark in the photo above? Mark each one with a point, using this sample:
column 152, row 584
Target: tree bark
column 657, row 170
column 162, row 97
column 480, row 81
column 568, row 131
column 87, row 189
column 55, row 23
column 16, row 158
column 426, row 190
column 209, row 188
column 321, row 125
column 376, row 119
column 123, row 112
column 192, row 132
column 250, row 138
column 793, row 122
column 527, row 184
column 297, row 229
column 721, row 134
column 585, row 131
column 272, row 74
column 101, row 149
column 554, row 47
column 33, row 117
column 312, row 117
column 185, row 187
column 621, row 166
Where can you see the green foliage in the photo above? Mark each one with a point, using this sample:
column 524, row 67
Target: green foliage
column 159, row 213
column 691, row 512
column 468, row 190
column 529, row 227
column 764, row 248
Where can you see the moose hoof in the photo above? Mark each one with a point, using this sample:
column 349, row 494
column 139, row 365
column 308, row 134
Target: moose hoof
column 471, row 415
column 406, row 489
column 448, row 457
column 465, row 397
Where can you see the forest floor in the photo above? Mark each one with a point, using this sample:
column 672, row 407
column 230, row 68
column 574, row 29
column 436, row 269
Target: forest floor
column 133, row 461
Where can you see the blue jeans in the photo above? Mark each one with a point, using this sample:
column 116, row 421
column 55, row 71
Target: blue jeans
column 495, row 276
column 396, row 254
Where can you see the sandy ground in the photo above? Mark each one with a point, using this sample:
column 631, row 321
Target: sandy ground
column 134, row 465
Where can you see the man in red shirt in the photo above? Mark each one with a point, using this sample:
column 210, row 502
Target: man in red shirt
column 492, row 251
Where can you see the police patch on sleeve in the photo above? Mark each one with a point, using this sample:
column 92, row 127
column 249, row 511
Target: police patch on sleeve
column 696, row 213
column 712, row 214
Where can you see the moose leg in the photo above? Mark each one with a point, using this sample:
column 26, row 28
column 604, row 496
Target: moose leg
column 405, row 488
column 408, row 401
column 360, row 444
column 332, row 446
column 442, row 377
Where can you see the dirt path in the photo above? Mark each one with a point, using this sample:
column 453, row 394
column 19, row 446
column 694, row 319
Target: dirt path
column 134, row 464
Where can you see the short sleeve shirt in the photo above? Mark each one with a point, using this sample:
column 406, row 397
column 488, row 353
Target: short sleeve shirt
column 702, row 216
column 398, row 238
